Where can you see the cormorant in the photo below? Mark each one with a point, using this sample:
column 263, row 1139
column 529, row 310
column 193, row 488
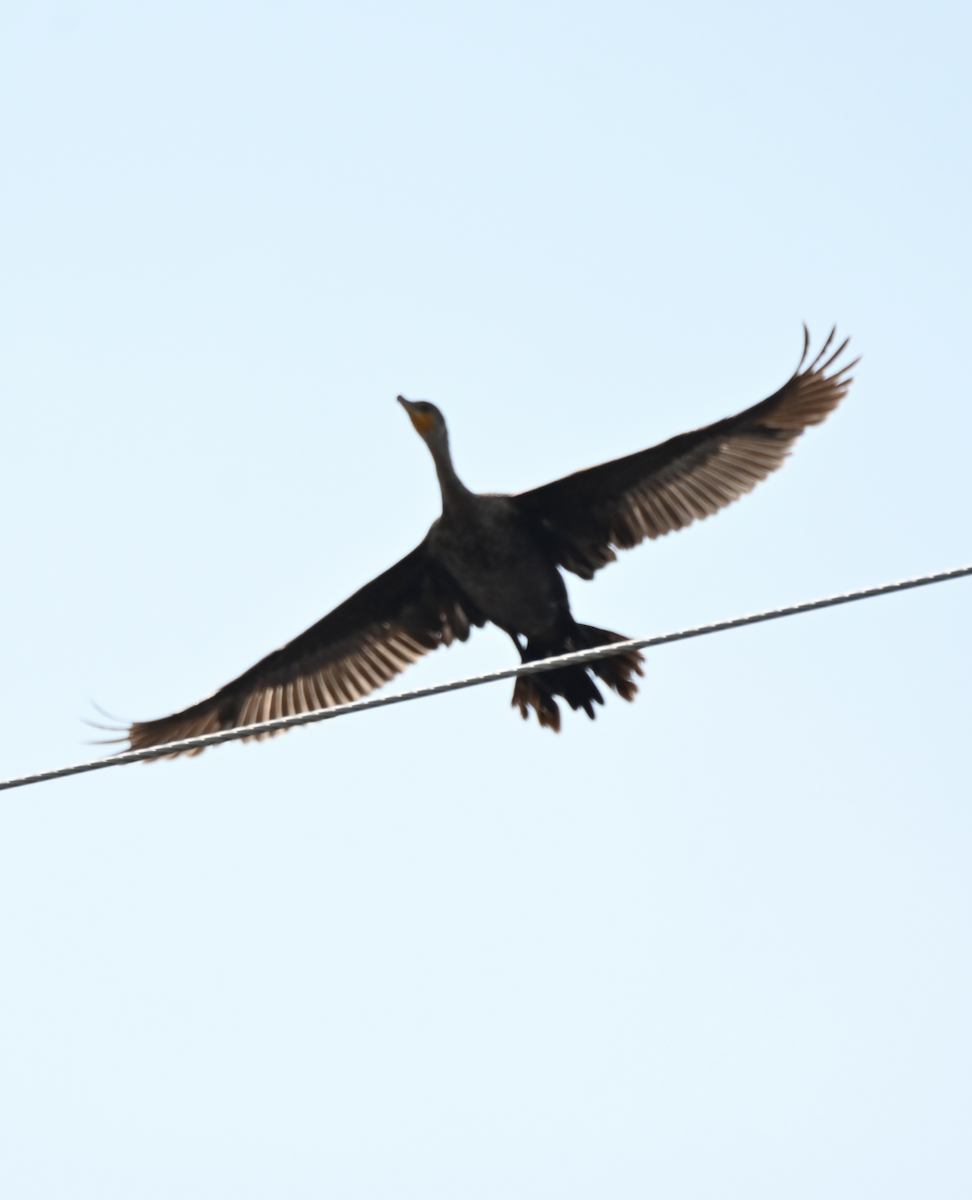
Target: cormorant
column 498, row 558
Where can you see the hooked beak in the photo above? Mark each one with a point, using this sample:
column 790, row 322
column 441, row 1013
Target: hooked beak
column 422, row 421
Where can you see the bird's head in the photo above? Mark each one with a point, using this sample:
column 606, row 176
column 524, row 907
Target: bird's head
column 428, row 421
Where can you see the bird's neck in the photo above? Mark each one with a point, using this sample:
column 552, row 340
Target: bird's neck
column 454, row 491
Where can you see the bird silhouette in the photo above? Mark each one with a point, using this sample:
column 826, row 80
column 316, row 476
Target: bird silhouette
column 499, row 558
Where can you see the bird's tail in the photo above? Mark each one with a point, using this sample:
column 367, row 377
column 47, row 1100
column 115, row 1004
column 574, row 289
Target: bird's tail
column 575, row 684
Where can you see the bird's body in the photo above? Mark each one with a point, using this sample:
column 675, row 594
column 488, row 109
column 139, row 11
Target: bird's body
column 510, row 578
column 484, row 541
column 499, row 558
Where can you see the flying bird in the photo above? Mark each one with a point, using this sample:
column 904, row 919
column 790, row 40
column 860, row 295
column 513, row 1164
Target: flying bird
column 499, row 558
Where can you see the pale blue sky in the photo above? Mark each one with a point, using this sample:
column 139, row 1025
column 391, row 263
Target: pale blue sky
column 714, row 944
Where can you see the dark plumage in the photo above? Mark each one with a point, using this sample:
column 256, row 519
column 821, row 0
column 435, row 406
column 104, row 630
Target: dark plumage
column 497, row 558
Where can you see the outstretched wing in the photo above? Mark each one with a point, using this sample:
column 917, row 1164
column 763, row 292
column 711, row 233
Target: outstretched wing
column 584, row 517
column 410, row 610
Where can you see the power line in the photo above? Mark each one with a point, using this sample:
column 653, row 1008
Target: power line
column 532, row 668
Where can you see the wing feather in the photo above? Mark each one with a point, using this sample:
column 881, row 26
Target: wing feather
column 584, row 518
column 407, row 612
